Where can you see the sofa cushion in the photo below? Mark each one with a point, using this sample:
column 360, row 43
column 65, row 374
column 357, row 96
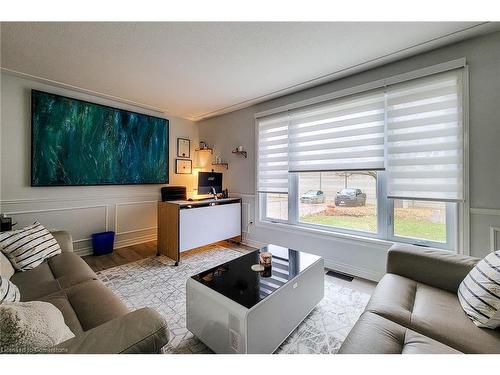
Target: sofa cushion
column 36, row 283
column 27, row 327
column 28, row 247
column 479, row 293
column 6, row 269
column 59, row 272
column 60, row 300
column 432, row 312
column 373, row 334
column 69, row 283
column 69, row 269
column 94, row 303
column 9, row 292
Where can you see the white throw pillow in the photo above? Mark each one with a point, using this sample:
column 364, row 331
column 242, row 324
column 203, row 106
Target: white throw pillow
column 8, row 291
column 28, row 247
column 27, row 327
column 6, row 269
column 479, row 293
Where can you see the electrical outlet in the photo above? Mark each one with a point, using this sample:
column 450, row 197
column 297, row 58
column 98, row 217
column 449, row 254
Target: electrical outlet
column 234, row 338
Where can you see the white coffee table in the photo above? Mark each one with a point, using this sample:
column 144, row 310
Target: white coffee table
column 233, row 309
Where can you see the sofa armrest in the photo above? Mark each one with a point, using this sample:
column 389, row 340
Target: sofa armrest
column 438, row 268
column 64, row 240
column 140, row 331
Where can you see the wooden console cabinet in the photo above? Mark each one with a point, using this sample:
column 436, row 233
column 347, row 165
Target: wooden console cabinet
column 185, row 225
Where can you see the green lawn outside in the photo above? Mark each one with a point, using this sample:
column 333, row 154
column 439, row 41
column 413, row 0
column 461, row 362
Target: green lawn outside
column 404, row 227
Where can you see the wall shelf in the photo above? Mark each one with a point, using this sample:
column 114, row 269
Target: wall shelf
column 242, row 153
column 208, row 149
column 226, row 165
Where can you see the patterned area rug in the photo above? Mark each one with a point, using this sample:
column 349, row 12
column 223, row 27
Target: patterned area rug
column 155, row 283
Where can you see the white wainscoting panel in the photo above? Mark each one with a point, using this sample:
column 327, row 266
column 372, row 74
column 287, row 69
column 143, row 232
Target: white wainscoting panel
column 494, row 238
column 133, row 217
column 80, row 221
column 485, row 227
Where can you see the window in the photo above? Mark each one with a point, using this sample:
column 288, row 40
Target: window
column 346, row 200
column 387, row 163
column 275, row 206
column 421, row 220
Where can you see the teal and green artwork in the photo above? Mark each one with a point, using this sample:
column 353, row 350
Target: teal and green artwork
column 74, row 142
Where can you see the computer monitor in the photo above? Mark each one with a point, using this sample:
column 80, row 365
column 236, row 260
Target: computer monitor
column 208, row 179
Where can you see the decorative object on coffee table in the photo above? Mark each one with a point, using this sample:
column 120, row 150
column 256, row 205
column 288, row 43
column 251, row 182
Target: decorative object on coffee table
column 257, row 267
column 265, row 259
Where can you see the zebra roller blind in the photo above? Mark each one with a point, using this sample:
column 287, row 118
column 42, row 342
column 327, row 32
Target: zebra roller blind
column 272, row 163
column 413, row 130
column 343, row 134
column 425, row 138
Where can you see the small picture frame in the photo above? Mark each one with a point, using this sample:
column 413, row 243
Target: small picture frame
column 183, row 148
column 183, row 166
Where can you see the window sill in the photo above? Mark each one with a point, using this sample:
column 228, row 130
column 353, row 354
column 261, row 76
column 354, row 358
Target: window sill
column 325, row 233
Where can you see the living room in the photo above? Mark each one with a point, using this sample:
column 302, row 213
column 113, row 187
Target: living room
column 175, row 187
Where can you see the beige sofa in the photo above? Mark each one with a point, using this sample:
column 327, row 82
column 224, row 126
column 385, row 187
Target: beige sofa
column 415, row 308
column 100, row 321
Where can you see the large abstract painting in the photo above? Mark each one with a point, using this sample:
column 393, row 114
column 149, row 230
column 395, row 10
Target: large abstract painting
column 80, row 143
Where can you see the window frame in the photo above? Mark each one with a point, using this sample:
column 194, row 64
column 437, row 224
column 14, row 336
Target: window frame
column 451, row 228
column 457, row 213
column 385, row 217
column 262, row 203
column 332, row 228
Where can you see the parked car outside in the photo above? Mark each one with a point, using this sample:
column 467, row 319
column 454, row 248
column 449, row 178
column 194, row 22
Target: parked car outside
column 350, row 197
column 313, row 196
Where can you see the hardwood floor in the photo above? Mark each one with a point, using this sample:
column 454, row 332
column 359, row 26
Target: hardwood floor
column 133, row 253
column 121, row 256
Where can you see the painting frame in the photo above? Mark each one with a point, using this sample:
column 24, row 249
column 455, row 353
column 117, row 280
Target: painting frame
column 164, row 179
column 183, row 166
column 183, row 148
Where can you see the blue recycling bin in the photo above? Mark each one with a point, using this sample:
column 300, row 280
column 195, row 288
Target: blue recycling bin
column 103, row 242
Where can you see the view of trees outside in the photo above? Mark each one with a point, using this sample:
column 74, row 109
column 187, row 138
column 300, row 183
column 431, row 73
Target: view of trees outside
column 415, row 219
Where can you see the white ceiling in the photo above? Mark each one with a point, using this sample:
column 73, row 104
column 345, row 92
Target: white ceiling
column 196, row 70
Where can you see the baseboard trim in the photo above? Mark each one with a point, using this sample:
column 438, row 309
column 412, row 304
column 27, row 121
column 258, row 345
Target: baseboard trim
column 84, row 251
column 353, row 271
column 119, row 244
column 134, row 241
column 253, row 243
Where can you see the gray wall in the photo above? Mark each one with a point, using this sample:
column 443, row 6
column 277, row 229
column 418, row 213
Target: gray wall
column 129, row 210
column 367, row 259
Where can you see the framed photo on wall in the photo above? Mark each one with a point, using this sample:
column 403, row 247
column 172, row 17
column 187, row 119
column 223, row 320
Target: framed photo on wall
column 183, row 166
column 183, row 148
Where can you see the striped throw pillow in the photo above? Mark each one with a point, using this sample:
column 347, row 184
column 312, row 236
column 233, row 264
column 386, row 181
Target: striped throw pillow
column 8, row 291
column 479, row 293
column 28, row 247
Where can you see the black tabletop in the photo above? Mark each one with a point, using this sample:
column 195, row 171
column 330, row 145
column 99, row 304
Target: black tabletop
column 238, row 282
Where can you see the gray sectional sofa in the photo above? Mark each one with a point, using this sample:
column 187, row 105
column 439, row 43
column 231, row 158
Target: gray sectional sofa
column 415, row 308
column 100, row 321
